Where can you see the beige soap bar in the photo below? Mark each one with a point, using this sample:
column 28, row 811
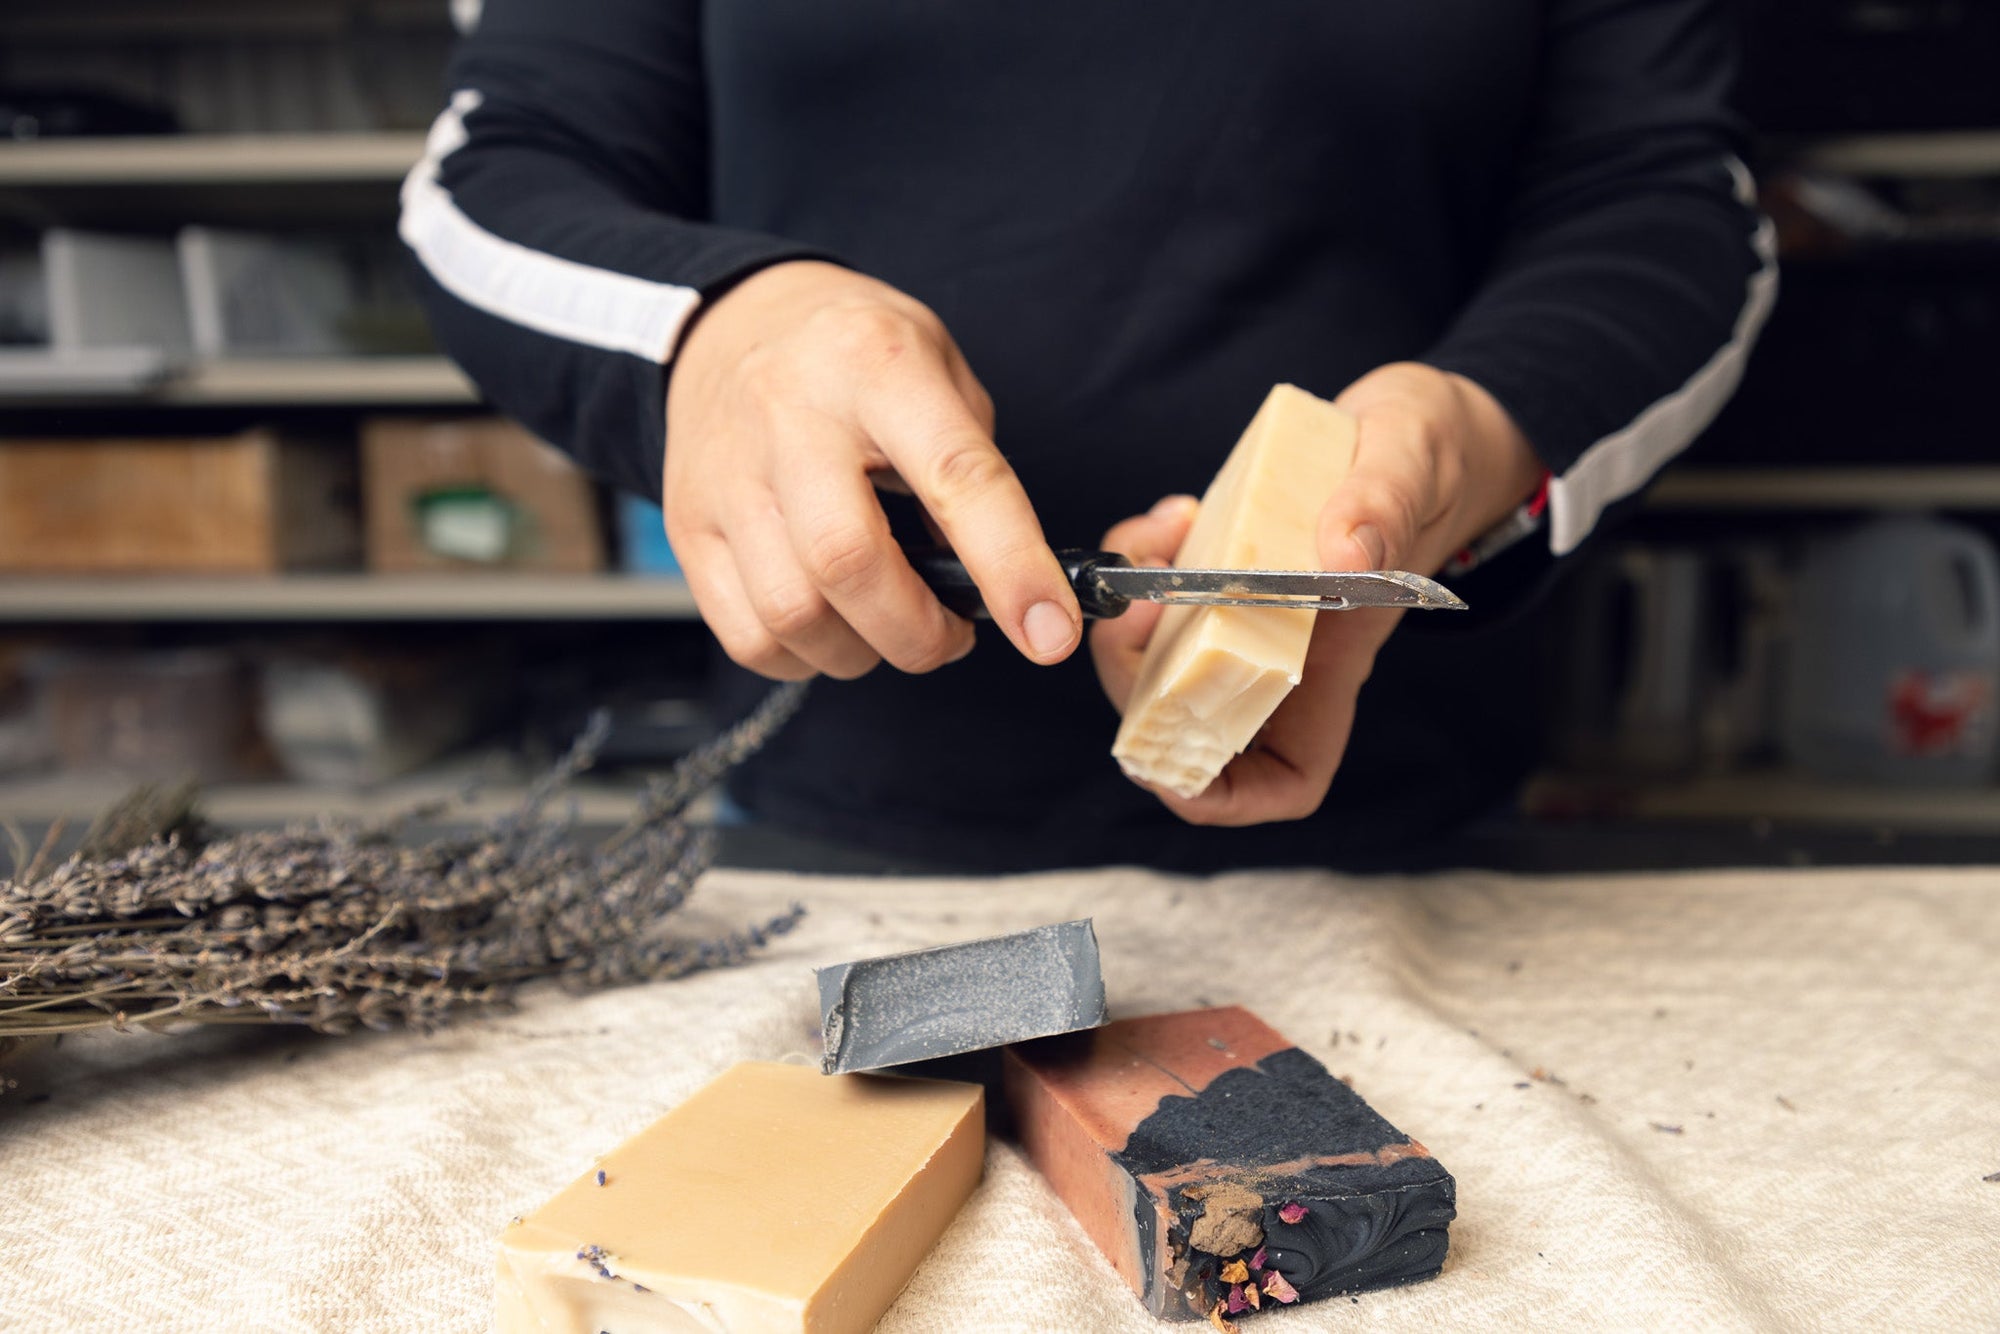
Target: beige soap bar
column 1213, row 675
column 776, row 1198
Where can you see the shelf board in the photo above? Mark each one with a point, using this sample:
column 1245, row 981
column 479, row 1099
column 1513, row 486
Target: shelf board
column 100, row 22
column 209, row 159
column 1906, row 488
column 46, row 599
column 1769, row 797
column 1953, row 153
column 320, row 381
column 282, row 382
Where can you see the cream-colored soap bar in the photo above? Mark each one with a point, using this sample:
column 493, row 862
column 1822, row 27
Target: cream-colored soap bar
column 1213, row 675
column 776, row 1198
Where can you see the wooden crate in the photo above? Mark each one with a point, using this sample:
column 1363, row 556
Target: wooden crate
column 552, row 518
column 254, row 503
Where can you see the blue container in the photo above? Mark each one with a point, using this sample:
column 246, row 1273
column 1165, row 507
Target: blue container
column 642, row 538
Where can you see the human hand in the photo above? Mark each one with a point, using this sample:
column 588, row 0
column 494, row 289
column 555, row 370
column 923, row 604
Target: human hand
column 1438, row 462
column 790, row 396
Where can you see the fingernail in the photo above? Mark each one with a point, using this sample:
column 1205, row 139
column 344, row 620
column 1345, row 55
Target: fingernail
column 1173, row 506
column 1049, row 629
column 1369, row 538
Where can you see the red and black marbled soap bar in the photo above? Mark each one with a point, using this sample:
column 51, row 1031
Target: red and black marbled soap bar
column 1221, row 1169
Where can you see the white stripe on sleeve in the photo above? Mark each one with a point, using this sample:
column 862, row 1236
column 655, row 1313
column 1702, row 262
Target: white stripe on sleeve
column 1620, row 464
column 559, row 297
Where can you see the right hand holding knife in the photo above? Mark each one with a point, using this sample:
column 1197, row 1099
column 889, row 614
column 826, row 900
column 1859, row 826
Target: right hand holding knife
column 789, row 396
column 803, row 384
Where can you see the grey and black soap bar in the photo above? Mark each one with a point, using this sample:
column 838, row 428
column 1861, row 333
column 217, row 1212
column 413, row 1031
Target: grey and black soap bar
column 960, row 998
column 1221, row 1169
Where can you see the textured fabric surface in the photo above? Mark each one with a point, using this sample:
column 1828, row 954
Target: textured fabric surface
column 1721, row 1101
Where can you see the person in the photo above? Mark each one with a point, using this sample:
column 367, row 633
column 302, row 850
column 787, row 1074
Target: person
column 1037, row 266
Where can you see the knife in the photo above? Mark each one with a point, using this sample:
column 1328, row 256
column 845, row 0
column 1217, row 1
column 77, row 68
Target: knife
column 1106, row 583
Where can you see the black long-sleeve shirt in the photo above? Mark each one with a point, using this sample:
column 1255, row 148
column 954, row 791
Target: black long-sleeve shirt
column 1134, row 216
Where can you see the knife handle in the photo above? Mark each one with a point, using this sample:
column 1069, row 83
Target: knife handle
column 947, row 577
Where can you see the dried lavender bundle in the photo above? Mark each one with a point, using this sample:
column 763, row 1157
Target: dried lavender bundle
column 342, row 924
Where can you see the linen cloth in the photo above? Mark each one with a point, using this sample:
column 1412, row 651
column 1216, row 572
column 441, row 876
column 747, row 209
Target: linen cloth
column 1724, row 1101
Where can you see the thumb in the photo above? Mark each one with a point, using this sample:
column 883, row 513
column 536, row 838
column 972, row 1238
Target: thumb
column 1379, row 512
column 1155, row 537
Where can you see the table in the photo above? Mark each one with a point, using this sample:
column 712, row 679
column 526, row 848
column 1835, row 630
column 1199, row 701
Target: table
column 1724, row 1100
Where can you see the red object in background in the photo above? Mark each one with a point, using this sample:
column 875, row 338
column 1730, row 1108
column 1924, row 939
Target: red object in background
column 1936, row 715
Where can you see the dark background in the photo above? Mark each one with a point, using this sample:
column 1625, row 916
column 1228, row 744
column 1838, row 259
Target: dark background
column 1877, row 143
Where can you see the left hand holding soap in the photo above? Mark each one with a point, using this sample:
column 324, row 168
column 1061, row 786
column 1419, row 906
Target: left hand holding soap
column 774, row 1199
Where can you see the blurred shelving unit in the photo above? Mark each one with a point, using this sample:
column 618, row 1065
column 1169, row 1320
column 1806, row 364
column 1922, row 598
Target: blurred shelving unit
column 297, row 120
column 1864, row 398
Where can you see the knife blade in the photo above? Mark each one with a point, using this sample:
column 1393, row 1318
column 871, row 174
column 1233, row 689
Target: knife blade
column 1107, row 583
